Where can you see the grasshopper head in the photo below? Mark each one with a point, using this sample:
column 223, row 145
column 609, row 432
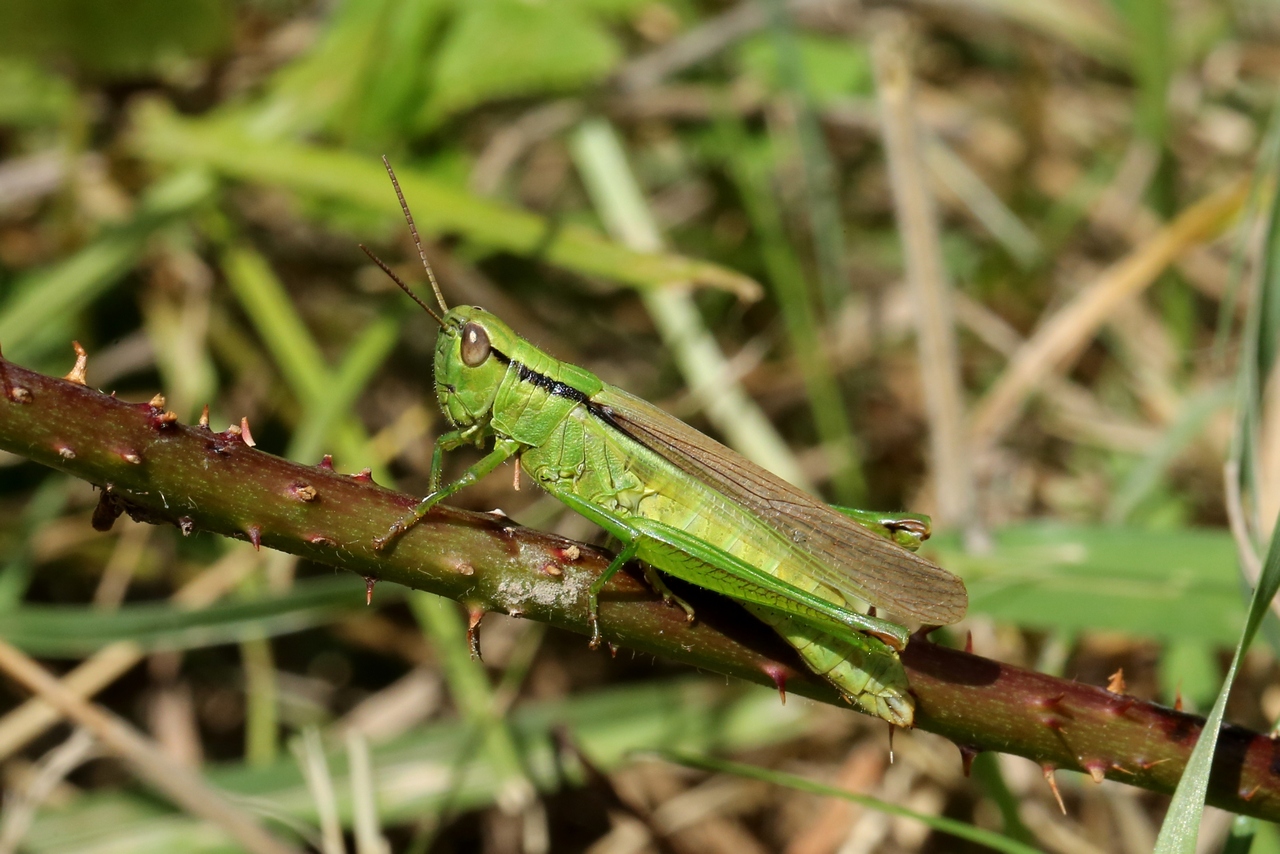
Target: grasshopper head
column 471, row 359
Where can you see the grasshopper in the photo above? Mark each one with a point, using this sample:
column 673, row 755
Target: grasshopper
column 685, row 504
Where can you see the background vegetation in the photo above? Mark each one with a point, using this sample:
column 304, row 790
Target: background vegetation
column 1003, row 264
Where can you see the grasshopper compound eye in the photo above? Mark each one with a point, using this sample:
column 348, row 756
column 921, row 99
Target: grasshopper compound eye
column 475, row 345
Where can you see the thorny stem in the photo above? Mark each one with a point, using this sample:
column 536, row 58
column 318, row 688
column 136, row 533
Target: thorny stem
column 161, row 471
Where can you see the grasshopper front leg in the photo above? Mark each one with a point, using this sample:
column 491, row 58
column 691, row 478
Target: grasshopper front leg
column 629, row 549
column 450, row 441
column 503, row 450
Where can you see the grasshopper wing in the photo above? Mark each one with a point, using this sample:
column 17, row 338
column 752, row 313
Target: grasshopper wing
column 847, row 557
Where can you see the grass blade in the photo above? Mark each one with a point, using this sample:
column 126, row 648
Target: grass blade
column 228, row 147
column 958, row 829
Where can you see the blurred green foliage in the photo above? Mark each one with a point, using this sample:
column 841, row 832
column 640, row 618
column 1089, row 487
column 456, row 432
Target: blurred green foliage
column 215, row 163
column 112, row 40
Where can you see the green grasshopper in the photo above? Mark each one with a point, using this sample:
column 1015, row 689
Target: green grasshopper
column 685, row 504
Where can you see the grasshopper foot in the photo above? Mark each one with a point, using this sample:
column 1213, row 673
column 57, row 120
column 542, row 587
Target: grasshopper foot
column 670, row 598
column 380, row 543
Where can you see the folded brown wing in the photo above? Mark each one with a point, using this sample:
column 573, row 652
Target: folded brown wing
column 848, row 557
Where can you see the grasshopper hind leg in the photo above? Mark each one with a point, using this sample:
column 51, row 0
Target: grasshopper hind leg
column 655, row 580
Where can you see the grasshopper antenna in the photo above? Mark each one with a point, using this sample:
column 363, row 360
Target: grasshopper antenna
column 375, row 259
column 417, row 241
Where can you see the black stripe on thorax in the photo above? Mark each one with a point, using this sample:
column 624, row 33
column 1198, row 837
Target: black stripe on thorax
column 529, row 375
column 604, row 414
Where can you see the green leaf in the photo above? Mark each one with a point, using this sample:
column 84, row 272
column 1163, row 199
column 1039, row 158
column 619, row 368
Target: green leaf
column 833, row 67
column 1180, row 831
column 230, row 146
column 1181, row 826
column 366, row 77
column 1174, row 585
column 30, row 96
column 514, row 48
column 112, row 38
column 1189, row 669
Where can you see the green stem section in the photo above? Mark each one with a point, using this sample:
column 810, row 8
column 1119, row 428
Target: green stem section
column 165, row 472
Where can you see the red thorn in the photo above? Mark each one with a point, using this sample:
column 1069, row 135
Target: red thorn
column 326, row 462
column 163, row 420
column 369, row 581
column 365, row 475
column 552, row 570
column 1050, row 702
column 255, row 537
column 1053, row 784
column 465, row 568
column 967, row 755
column 778, row 674
column 1115, row 682
column 204, row 417
column 245, row 435
column 474, row 616
column 613, row 649
column 157, row 402
column 1120, row 769
column 303, row 491
column 18, row 394
column 1177, row 698
column 321, row 540
column 131, row 457
column 1097, row 770
column 569, row 553
column 66, row 453
column 1248, row 796
column 1052, row 723
column 1123, row 706
column 77, row 373
column 968, row 642
column 186, row 525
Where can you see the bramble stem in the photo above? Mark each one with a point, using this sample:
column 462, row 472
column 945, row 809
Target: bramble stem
column 161, row 471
